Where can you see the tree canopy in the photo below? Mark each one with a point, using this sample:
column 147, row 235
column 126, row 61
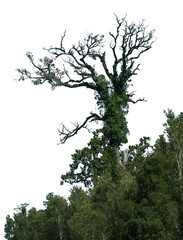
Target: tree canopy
column 132, row 194
column 144, row 203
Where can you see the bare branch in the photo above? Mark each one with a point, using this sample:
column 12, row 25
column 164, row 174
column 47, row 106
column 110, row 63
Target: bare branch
column 66, row 133
column 138, row 100
column 134, row 41
column 111, row 88
column 113, row 44
column 103, row 61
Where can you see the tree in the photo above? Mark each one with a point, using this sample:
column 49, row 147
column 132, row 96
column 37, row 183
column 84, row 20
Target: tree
column 56, row 215
column 9, row 228
column 116, row 201
column 144, row 202
column 136, row 155
column 77, row 197
column 50, row 223
column 92, row 161
column 84, row 222
column 156, row 198
column 111, row 87
column 37, row 224
column 17, row 227
column 174, row 131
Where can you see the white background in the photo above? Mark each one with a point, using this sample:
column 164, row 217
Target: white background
column 31, row 162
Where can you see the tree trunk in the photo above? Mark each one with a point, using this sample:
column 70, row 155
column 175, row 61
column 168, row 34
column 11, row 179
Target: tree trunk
column 179, row 159
column 60, row 228
column 118, row 156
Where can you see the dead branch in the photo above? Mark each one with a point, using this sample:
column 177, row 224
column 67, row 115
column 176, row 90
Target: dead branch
column 66, row 133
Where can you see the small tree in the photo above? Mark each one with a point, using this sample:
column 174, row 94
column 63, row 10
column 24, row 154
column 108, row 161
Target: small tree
column 56, row 212
column 174, row 131
column 111, row 87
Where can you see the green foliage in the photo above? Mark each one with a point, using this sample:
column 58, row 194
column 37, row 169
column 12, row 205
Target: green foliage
column 77, row 198
column 9, row 228
column 116, row 201
column 143, row 203
column 137, row 197
column 137, row 154
column 89, row 160
column 157, row 196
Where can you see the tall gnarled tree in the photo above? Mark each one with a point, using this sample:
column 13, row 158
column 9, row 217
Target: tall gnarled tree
column 111, row 88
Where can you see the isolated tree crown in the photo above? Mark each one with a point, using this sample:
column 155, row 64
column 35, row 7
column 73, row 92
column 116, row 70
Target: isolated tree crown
column 111, row 87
